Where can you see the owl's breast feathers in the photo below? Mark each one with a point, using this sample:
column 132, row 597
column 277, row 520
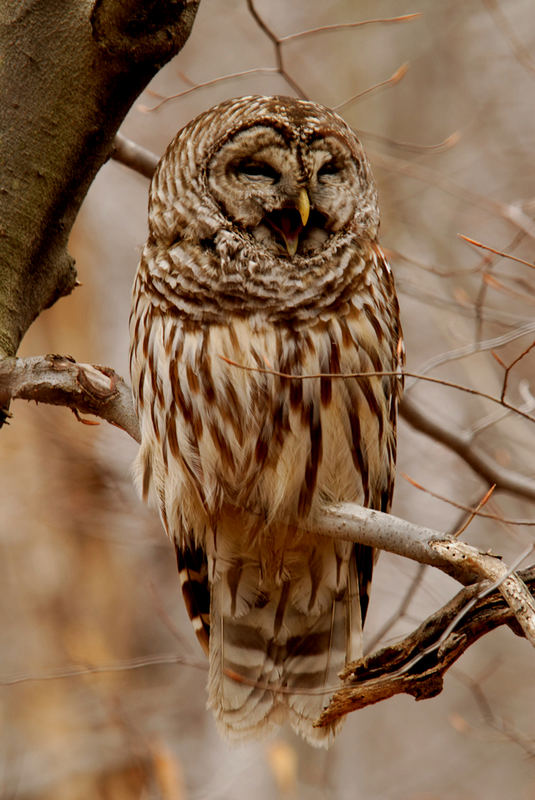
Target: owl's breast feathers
column 238, row 456
column 217, row 400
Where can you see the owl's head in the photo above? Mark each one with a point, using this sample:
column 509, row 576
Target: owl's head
column 286, row 176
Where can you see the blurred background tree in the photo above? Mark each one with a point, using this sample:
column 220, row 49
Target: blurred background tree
column 89, row 580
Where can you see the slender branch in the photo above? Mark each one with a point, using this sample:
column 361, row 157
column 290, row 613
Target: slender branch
column 349, row 26
column 520, row 51
column 212, row 82
column 395, row 78
column 462, row 444
column 134, row 156
column 508, row 211
column 496, row 252
column 417, row 664
column 386, row 373
column 262, row 24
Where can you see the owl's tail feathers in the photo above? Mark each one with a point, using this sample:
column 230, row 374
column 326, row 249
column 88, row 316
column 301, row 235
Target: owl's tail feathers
column 277, row 662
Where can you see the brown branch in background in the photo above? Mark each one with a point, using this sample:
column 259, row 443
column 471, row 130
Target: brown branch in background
column 401, row 668
column 492, row 719
column 461, row 443
column 521, row 52
column 493, row 250
column 471, row 515
column 134, row 156
column 381, row 374
column 530, row 523
column 349, row 25
column 508, row 211
column 402, row 609
column 395, row 78
column 77, row 670
column 473, row 349
column 278, row 51
column 499, row 286
column 413, row 147
column 510, row 366
column 213, row 82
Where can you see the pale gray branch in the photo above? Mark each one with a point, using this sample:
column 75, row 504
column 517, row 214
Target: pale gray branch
column 61, row 381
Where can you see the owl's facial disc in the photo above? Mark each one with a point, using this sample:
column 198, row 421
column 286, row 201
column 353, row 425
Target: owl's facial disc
column 290, row 195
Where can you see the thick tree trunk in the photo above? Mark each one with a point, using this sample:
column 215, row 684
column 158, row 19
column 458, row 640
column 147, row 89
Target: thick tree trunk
column 70, row 70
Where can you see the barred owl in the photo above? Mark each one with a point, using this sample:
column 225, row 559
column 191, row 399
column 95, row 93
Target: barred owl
column 261, row 263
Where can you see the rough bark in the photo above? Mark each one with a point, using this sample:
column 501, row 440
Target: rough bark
column 69, row 73
column 417, row 664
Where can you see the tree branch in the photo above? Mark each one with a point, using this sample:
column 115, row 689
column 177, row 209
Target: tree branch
column 134, row 156
column 462, row 444
column 61, row 381
column 417, row 664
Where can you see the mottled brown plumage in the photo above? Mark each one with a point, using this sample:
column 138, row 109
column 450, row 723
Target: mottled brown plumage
column 262, row 251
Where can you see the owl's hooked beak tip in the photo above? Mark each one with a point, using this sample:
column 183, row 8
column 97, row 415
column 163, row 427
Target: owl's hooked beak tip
column 290, row 234
column 289, row 221
column 303, row 206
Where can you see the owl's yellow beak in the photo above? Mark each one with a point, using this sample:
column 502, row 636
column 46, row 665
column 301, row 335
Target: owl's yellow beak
column 303, row 206
column 290, row 220
column 290, row 233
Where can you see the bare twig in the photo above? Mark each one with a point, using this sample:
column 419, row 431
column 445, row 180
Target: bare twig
column 472, row 514
column 395, row 78
column 413, row 147
column 461, row 443
column 496, row 252
column 472, row 349
column 510, row 366
column 77, row 670
column 529, row 523
column 213, row 82
column 380, row 374
column 508, row 211
column 402, row 609
column 134, row 156
column 349, row 25
column 262, row 24
column 521, row 52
